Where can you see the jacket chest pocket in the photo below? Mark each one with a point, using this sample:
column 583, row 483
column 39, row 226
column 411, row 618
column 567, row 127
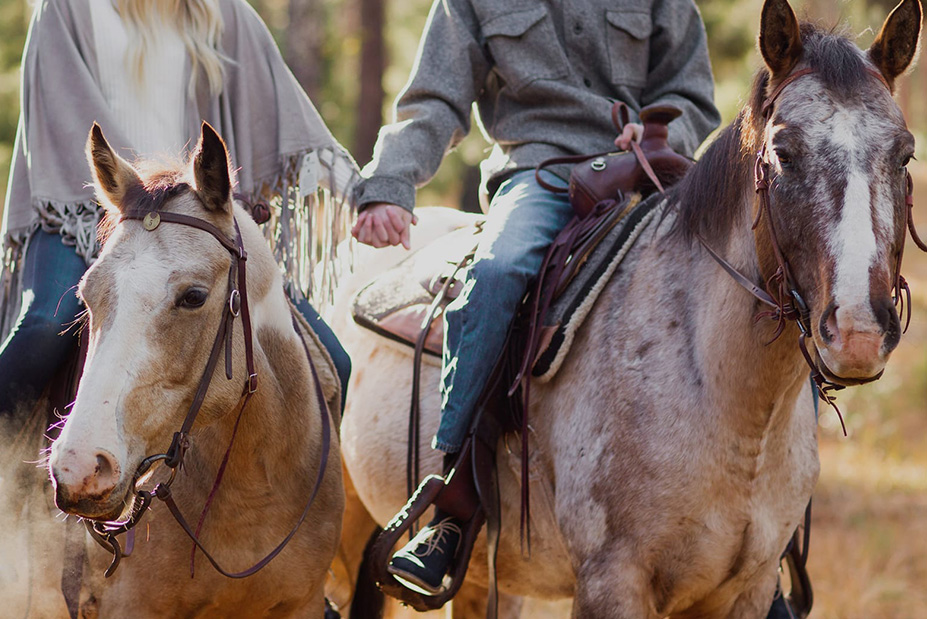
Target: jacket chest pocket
column 524, row 47
column 628, row 40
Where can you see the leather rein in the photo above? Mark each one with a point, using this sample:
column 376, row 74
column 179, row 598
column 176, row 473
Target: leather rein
column 781, row 293
column 106, row 532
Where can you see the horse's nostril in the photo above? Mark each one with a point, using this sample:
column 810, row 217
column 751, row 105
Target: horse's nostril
column 105, row 468
column 105, row 477
column 890, row 322
column 828, row 326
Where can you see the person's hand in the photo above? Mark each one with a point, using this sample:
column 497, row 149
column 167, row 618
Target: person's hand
column 382, row 224
column 632, row 131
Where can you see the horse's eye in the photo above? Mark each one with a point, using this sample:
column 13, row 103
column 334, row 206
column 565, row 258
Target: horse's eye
column 784, row 157
column 907, row 159
column 192, row 297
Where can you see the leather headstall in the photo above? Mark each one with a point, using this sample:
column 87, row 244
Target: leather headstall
column 105, row 532
column 781, row 293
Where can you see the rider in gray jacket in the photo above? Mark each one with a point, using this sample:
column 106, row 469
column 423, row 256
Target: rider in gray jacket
column 543, row 75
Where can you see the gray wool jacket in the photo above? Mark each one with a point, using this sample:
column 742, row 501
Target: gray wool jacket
column 543, row 75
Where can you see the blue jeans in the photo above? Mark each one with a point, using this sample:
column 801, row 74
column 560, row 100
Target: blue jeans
column 330, row 341
column 523, row 220
column 35, row 348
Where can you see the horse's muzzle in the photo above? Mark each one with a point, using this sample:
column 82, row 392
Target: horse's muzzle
column 854, row 344
column 87, row 485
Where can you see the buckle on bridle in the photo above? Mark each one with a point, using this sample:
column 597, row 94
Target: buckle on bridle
column 235, row 302
column 252, row 383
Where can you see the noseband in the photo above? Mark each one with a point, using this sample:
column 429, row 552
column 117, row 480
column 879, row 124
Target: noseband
column 237, row 305
column 781, row 292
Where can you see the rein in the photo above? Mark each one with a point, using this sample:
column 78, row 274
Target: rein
column 106, row 532
column 786, row 302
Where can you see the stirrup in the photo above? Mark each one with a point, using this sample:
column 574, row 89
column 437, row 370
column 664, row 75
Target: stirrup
column 382, row 549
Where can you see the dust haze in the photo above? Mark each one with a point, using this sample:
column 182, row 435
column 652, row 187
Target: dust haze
column 31, row 527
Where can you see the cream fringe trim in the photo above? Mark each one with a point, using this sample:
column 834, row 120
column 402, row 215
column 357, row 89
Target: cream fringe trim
column 307, row 232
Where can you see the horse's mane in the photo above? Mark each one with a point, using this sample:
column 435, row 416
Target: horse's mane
column 711, row 196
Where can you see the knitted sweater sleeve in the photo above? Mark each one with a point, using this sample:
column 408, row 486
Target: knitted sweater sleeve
column 680, row 72
column 432, row 113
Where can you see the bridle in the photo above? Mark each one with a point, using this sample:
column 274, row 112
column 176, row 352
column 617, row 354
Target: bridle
column 781, row 293
column 106, row 532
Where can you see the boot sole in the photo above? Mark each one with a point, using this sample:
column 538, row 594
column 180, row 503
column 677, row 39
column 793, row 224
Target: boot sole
column 413, row 582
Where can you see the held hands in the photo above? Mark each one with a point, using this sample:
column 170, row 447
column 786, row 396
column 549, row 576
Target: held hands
column 632, row 131
column 382, row 224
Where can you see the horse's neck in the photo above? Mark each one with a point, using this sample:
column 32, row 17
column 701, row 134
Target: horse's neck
column 752, row 377
column 276, row 442
column 692, row 331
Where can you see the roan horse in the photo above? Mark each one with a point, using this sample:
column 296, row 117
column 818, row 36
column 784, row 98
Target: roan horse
column 155, row 301
column 676, row 448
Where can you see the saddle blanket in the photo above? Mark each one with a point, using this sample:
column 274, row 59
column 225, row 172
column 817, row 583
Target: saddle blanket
column 398, row 303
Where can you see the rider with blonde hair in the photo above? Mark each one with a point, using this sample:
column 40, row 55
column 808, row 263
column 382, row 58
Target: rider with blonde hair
column 149, row 72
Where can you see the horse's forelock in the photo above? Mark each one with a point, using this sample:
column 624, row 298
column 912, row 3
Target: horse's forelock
column 836, row 61
column 153, row 194
column 156, row 189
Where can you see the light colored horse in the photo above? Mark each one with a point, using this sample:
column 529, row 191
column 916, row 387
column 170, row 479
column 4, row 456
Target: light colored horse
column 155, row 299
column 674, row 452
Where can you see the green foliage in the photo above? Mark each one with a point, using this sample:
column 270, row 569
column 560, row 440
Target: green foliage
column 13, row 24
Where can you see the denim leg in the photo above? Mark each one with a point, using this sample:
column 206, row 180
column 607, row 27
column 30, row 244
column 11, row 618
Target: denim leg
column 34, row 349
column 524, row 218
column 330, row 341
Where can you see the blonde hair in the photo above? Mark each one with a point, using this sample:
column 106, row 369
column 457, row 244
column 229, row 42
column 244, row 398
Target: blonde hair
column 199, row 24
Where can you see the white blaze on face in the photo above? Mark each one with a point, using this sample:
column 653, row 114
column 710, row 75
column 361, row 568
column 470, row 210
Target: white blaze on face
column 116, row 364
column 854, row 243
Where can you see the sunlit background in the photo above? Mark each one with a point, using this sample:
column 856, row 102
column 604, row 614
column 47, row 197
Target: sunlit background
column 869, row 537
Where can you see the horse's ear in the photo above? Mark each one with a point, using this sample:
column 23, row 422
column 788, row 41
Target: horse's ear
column 112, row 175
column 895, row 47
column 780, row 37
column 211, row 170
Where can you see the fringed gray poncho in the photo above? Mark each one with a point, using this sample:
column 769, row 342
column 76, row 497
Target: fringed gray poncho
column 282, row 150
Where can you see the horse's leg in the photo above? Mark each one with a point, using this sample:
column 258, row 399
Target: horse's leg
column 610, row 586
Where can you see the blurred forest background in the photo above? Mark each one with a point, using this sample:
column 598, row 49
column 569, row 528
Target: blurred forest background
column 869, row 539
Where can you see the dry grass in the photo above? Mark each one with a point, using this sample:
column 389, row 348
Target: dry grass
column 869, row 534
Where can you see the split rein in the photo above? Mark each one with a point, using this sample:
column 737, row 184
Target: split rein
column 787, row 303
column 105, row 533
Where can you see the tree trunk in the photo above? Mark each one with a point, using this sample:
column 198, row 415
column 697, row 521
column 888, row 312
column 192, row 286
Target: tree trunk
column 305, row 37
column 372, row 67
